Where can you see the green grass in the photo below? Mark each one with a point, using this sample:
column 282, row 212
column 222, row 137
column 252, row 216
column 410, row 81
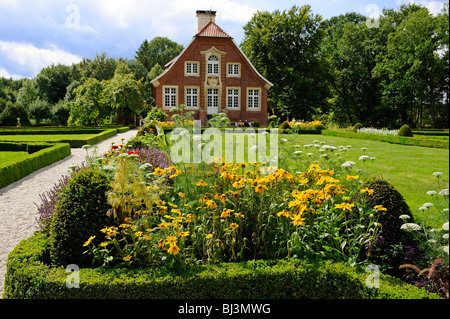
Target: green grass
column 45, row 138
column 408, row 168
column 8, row 156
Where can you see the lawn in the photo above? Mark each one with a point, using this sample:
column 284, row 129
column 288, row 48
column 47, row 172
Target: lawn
column 8, row 156
column 408, row 168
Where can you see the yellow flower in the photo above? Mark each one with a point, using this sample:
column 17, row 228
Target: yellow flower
column 173, row 250
column 366, row 190
column 380, row 208
column 239, row 215
column 226, row 213
column 345, row 206
column 351, row 178
column 104, row 244
column 234, row 225
column 238, row 184
column 183, row 234
column 138, row 234
column 146, row 237
column 260, row 188
column 172, row 240
column 211, row 204
column 284, row 213
column 89, row 241
column 209, row 236
column 158, row 171
column 345, row 198
column 176, row 211
column 127, row 258
column 297, row 220
column 201, row 183
column 182, row 195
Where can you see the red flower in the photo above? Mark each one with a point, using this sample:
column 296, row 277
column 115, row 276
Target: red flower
column 114, row 147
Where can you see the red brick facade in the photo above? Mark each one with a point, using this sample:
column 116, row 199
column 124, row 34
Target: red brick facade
column 212, row 75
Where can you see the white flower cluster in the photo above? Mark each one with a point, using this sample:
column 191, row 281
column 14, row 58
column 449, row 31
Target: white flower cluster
column 382, row 131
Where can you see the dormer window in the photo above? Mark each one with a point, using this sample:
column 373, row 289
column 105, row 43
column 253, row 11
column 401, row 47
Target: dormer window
column 213, row 65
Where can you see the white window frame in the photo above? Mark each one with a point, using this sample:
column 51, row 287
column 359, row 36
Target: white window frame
column 235, row 98
column 251, row 98
column 170, row 99
column 191, row 97
column 189, row 68
column 235, row 69
column 213, row 65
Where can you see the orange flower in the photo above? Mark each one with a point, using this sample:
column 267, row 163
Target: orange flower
column 201, row 183
column 173, row 250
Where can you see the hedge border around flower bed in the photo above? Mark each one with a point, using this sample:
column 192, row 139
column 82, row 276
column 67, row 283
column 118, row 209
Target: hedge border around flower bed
column 40, row 155
column 28, row 277
column 403, row 140
column 102, row 134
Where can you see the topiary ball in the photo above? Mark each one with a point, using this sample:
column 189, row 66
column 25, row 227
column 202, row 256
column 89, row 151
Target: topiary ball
column 357, row 127
column 79, row 214
column 405, row 130
column 386, row 195
column 285, row 125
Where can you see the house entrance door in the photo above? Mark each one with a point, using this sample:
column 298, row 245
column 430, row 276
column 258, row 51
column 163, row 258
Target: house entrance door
column 213, row 101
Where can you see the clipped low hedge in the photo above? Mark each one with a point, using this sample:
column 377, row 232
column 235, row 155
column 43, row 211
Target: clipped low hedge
column 91, row 141
column 414, row 141
column 41, row 155
column 29, row 277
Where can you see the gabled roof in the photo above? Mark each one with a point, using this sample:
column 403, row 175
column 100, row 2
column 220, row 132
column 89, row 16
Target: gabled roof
column 212, row 30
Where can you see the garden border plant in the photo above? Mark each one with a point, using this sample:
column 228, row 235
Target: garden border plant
column 414, row 141
column 29, row 277
column 41, row 155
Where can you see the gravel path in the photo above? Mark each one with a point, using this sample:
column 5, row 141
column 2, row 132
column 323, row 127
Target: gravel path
column 18, row 212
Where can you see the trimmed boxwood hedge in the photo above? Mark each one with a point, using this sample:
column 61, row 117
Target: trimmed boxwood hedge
column 29, row 277
column 41, row 155
column 414, row 141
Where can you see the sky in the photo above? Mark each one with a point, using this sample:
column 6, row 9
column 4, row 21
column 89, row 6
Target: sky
column 37, row 33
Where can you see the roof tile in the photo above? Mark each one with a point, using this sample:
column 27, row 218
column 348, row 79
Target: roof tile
column 212, row 30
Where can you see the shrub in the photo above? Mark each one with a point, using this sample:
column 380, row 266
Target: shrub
column 285, row 125
column 12, row 112
column 256, row 124
column 405, row 130
column 79, row 214
column 387, row 196
column 156, row 114
column 357, row 127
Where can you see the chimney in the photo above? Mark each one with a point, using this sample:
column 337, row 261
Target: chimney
column 204, row 17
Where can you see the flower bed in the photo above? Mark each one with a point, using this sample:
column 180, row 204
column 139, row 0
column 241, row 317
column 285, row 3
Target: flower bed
column 237, row 227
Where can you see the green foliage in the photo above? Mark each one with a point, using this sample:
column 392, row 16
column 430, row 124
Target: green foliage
column 405, row 130
column 39, row 110
column 219, row 120
column 88, row 107
column 255, row 124
column 285, row 125
column 41, row 155
column 156, row 114
column 52, row 82
column 28, row 277
column 386, row 195
column 357, row 127
column 269, row 40
column 12, row 112
column 79, row 214
column 160, row 50
column 60, row 113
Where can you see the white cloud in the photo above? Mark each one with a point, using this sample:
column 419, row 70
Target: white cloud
column 33, row 58
column 5, row 74
column 433, row 6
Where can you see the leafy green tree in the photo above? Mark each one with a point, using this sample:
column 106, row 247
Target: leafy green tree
column 410, row 66
column 39, row 110
column 124, row 94
column 13, row 114
column 159, row 50
column 284, row 46
column 101, row 67
column 28, row 93
column 52, row 82
column 88, row 107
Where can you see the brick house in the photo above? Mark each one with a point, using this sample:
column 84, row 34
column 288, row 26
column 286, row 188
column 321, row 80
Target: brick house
column 212, row 75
